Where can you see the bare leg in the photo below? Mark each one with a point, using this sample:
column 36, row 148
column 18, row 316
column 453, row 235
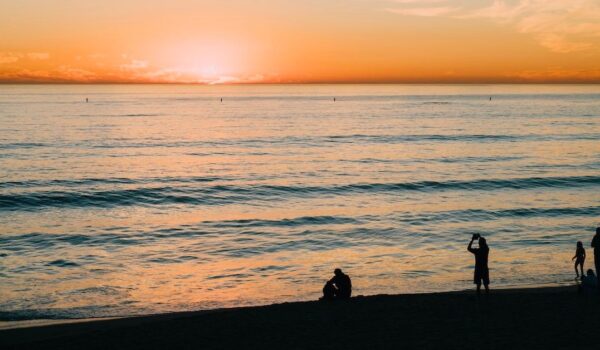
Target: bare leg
column 478, row 288
column 577, row 271
column 487, row 288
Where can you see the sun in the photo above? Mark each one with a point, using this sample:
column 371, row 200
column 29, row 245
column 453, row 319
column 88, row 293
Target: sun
column 207, row 59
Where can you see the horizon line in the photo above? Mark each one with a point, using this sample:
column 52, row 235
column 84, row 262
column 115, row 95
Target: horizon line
column 116, row 82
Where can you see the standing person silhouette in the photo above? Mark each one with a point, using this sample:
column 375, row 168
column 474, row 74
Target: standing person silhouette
column 596, row 246
column 482, row 272
column 579, row 258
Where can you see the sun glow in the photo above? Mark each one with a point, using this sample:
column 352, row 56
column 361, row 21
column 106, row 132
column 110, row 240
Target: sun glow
column 208, row 61
column 241, row 41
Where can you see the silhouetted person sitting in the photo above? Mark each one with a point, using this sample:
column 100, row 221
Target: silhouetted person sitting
column 482, row 273
column 589, row 283
column 579, row 258
column 340, row 285
column 596, row 246
column 328, row 291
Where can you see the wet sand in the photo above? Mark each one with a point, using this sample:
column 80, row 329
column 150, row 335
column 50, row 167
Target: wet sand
column 520, row 318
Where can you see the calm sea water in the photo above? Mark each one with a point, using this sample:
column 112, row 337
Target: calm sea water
column 162, row 198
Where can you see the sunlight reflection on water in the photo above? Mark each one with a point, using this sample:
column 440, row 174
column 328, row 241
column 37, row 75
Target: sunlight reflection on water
column 161, row 198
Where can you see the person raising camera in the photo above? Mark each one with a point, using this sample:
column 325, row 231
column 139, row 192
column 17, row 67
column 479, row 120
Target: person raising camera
column 482, row 273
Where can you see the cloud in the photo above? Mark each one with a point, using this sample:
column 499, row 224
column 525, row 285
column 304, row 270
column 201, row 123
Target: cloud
column 31, row 76
column 225, row 80
column 134, row 65
column 25, row 75
column 418, row 1
column 257, row 78
column 38, row 55
column 559, row 25
column 97, row 56
column 557, row 75
column 9, row 57
column 191, row 76
column 75, row 74
column 126, row 69
column 12, row 57
column 423, row 11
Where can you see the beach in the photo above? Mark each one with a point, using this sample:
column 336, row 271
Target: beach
column 553, row 317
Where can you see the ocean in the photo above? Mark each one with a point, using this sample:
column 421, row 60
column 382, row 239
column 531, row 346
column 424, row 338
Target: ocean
column 160, row 198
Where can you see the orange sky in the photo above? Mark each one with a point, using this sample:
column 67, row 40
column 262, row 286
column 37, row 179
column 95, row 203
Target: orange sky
column 287, row 41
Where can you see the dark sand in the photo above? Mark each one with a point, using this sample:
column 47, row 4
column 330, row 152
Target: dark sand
column 549, row 318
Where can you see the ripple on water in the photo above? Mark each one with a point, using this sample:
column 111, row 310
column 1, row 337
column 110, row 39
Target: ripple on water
column 62, row 263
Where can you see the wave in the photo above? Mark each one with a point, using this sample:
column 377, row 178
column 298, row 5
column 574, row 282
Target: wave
column 227, row 194
column 109, row 181
column 301, row 221
column 313, row 141
column 25, row 145
column 318, row 141
column 62, row 263
column 117, row 115
column 86, row 312
column 317, row 232
column 470, row 215
column 417, row 138
column 438, row 160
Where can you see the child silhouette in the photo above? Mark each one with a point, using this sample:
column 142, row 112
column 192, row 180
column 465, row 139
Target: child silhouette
column 579, row 258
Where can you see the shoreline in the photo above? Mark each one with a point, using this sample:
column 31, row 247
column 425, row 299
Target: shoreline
column 308, row 324
column 43, row 322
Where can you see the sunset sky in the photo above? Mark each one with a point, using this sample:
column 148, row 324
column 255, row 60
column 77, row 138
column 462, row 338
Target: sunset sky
column 295, row 41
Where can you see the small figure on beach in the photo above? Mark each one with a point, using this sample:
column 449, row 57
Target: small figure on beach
column 339, row 287
column 86, row 100
column 579, row 258
column 482, row 272
column 589, row 282
column 596, row 246
column 328, row 291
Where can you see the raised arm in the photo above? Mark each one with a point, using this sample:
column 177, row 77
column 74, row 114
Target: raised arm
column 469, row 248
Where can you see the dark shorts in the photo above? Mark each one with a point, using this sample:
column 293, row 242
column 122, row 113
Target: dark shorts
column 482, row 274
